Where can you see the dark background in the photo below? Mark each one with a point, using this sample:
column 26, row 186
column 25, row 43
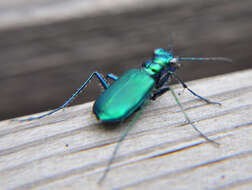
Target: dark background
column 42, row 65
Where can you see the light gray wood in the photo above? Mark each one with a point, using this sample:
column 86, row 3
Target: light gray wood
column 70, row 149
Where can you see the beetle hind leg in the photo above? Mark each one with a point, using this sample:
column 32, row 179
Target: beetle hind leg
column 78, row 91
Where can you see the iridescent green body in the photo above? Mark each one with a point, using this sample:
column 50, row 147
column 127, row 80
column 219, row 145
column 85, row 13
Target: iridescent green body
column 128, row 93
column 124, row 96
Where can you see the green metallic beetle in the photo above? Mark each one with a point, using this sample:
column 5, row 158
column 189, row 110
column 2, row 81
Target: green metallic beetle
column 128, row 93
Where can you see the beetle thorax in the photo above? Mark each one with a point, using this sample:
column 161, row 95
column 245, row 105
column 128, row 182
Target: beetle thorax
column 160, row 60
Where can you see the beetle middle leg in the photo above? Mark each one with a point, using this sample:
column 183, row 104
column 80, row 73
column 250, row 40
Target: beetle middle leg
column 160, row 92
column 188, row 119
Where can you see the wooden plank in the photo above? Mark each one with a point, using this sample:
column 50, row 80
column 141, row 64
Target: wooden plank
column 70, row 149
column 48, row 48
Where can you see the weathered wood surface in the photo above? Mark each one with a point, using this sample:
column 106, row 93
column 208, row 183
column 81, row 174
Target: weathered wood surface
column 70, row 149
column 48, row 47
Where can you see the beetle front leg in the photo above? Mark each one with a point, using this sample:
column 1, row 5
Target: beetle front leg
column 191, row 91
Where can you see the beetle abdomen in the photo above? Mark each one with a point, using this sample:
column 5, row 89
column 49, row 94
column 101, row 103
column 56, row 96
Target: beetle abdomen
column 124, row 96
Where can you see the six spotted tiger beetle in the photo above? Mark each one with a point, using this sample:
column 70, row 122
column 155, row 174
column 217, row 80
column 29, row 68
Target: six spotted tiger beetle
column 130, row 92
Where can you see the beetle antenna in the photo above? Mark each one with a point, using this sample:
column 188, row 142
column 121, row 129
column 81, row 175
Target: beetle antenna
column 171, row 44
column 204, row 59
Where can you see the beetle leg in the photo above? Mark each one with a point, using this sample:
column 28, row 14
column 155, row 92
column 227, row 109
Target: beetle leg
column 188, row 119
column 191, row 91
column 78, row 91
column 112, row 76
column 119, row 142
column 160, row 92
column 163, row 80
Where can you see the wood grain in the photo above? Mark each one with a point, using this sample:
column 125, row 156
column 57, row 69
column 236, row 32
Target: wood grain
column 70, row 149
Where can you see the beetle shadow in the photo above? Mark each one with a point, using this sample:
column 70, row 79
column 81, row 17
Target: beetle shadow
column 112, row 126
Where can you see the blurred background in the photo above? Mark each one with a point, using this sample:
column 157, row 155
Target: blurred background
column 48, row 48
